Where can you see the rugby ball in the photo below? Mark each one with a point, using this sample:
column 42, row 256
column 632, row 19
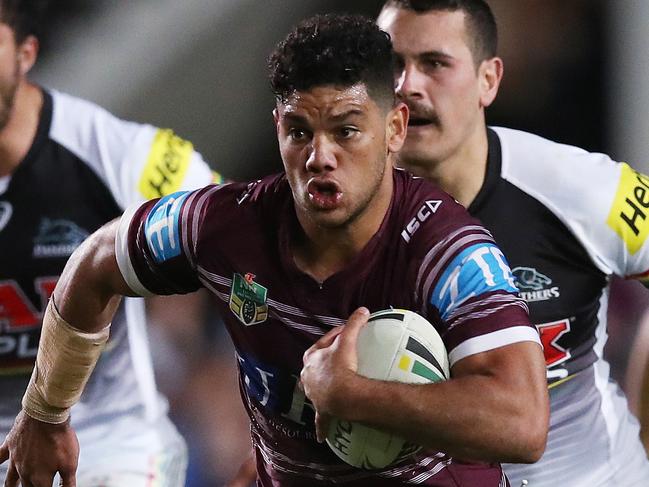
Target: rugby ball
column 395, row 345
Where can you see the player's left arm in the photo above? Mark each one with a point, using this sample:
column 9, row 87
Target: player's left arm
column 623, row 241
column 495, row 407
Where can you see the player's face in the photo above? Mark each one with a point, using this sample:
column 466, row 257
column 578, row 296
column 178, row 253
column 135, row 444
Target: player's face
column 334, row 144
column 437, row 78
column 9, row 72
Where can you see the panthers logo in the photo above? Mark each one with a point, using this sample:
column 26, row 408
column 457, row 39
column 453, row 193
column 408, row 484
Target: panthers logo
column 529, row 279
column 58, row 238
column 53, row 232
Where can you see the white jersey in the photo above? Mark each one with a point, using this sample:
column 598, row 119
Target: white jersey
column 567, row 220
column 83, row 168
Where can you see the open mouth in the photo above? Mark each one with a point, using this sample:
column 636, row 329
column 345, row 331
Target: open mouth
column 324, row 194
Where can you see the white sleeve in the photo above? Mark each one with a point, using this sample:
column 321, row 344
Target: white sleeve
column 605, row 204
column 123, row 256
column 136, row 161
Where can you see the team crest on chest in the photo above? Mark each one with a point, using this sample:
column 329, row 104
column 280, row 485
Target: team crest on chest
column 248, row 299
column 58, row 238
column 533, row 285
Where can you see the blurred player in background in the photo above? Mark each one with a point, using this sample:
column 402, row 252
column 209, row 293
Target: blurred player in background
column 66, row 168
column 565, row 218
column 298, row 255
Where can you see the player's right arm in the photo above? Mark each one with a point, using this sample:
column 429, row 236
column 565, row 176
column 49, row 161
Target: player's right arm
column 75, row 328
column 41, row 442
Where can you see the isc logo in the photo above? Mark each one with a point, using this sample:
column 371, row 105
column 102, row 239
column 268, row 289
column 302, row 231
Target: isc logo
column 424, row 212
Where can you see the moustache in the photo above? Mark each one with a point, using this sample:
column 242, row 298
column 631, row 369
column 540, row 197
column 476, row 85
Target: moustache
column 421, row 111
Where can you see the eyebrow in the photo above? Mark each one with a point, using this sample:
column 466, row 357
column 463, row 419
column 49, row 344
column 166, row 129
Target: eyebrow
column 349, row 113
column 428, row 54
column 299, row 119
column 436, row 54
column 291, row 117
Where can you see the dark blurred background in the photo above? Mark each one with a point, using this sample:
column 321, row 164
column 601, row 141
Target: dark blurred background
column 575, row 71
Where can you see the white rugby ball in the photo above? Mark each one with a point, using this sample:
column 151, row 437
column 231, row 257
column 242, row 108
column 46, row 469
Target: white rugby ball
column 395, row 345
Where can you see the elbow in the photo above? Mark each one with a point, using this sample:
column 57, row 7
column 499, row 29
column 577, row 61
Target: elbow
column 534, row 448
column 532, row 432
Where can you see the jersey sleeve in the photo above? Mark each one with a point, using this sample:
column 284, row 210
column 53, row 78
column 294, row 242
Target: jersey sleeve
column 627, row 224
column 466, row 281
column 605, row 204
column 156, row 243
column 136, row 161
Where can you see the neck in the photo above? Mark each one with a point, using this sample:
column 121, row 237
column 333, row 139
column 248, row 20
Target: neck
column 18, row 134
column 321, row 251
column 462, row 173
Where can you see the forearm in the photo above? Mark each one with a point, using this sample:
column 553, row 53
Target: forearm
column 90, row 287
column 487, row 417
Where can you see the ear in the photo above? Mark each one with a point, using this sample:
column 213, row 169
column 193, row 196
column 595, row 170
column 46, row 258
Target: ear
column 490, row 73
column 276, row 119
column 27, row 52
column 397, row 126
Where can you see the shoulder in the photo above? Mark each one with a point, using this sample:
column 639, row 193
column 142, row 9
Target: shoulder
column 266, row 191
column 97, row 137
column 78, row 124
column 603, row 203
column 547, row 169
column 136, row 161
column 243, row 206
column 426, row 213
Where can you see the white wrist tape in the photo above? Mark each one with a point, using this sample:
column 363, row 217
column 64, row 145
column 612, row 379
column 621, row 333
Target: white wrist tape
column 66, row 358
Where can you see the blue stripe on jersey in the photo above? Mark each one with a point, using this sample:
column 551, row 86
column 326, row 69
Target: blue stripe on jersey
column 478, row 269
column 161, row 227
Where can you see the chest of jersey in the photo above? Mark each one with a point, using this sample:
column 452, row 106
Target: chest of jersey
column 553, row 273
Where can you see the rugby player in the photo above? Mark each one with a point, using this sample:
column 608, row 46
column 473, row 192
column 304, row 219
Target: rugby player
column 564, row 234
column 294, row 262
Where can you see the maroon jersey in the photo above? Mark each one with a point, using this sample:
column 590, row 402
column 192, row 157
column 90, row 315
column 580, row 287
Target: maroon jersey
column 428, row 255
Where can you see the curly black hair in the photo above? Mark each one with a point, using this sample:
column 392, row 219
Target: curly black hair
column 25, row 17
column 339, row 50
column 481, row 23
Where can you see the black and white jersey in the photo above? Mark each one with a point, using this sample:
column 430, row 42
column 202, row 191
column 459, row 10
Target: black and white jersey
column 83, row 168
column 567, row 220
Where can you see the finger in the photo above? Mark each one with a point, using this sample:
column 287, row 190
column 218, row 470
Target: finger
column 11, row 480
column 321, row 426
column 356, row 321
column 4, row 452
column 328, row 338
column 325, row 341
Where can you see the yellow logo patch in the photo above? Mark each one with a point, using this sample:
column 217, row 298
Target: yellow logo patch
column 628, row 215
column 166, row 165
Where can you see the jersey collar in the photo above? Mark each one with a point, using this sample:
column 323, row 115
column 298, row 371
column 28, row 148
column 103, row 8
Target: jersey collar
column 492, row 176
